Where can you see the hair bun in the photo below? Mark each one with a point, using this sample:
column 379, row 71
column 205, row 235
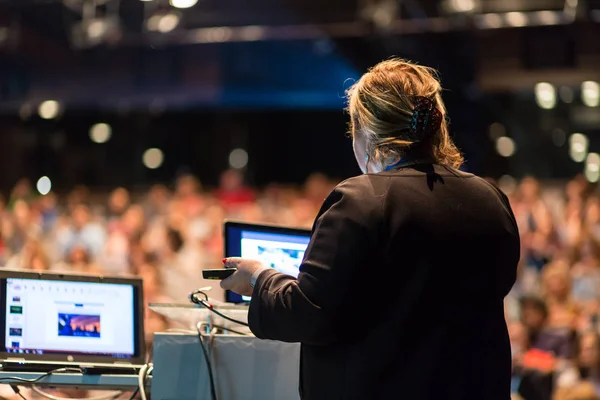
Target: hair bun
column 426, row 119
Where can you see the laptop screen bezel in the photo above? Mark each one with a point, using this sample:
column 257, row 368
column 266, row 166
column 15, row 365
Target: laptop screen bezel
column 231, row 297
column 139, row 356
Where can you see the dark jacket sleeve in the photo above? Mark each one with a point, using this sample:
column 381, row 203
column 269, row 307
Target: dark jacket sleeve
column 306, row 309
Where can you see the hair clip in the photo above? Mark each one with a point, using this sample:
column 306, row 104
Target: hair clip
column 426, row 119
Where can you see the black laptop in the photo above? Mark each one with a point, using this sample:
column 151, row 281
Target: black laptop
column 278, row 247
column 52, row 320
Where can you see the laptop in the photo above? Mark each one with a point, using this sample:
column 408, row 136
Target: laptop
column 278, row 247
column 52, row 320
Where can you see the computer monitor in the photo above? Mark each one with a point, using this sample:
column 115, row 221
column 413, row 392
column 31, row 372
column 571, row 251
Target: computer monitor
column 61, row 317
column 277, row 247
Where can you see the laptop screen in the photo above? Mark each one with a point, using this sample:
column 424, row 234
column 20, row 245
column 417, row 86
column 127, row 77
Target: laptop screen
column 276, row 247
column 47, row 316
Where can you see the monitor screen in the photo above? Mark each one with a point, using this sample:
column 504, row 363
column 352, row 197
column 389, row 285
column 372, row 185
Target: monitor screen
column 276, row 247
column 64, row 317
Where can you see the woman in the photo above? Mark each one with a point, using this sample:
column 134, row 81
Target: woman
column 589, row 357
column 443, row 244
column 556, row 288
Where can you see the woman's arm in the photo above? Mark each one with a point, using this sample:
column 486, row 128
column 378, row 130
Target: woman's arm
column 307, row 309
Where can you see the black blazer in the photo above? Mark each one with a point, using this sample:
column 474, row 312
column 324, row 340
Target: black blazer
column 401, row 290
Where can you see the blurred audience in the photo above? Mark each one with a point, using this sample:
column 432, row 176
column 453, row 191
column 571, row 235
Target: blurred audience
column 553, row 309
column 167, row 236
column 164, row 236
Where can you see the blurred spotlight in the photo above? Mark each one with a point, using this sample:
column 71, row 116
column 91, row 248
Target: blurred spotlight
column 213, row 35
column 44, row 185
column 163, row 22
column 384, row 14
column 25, row 111
column 152, row 22
column 238, row 158
column 95, row 31
column 497, row 130
column 547, row 17
column 590, row 93
column 153, row 158
column 505, row 146
column 251, row 33
column 559, row 137
column 578, row 147
column 592, row 167
column 183, row 3
column 507, row 184
column 545, row 95
column 489, row 21
column 168, row 22
column 460, row 6
column 100, row 133
column 516, row 19
column 49, row 109
column 381, row 14
column 566, row 94
column 97, row 28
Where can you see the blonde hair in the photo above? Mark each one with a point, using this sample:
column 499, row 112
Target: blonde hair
column 381, row 106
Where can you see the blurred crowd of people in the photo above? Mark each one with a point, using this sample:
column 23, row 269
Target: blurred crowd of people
column 165, row 235
column 553, row 309
column 168, row 235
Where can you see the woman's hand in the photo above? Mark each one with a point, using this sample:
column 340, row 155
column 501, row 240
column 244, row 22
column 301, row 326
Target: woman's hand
column 239, row 282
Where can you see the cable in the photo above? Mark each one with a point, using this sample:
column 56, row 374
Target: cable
column 144, row 372
column 209, row 306
column 17, row 391
column 196, row 300
column 143, row 389
column 135, row 393
column 141, row 376
column 32, row 382
column 39, row 378
column 213, row 393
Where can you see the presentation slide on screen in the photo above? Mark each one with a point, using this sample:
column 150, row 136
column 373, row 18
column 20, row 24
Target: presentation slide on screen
column 282, row 252
column 79, row 317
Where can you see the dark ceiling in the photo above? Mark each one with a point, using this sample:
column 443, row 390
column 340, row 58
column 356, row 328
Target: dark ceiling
column 219, row 44
column 275, row 54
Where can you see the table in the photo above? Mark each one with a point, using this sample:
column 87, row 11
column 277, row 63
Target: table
column 244, row 368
